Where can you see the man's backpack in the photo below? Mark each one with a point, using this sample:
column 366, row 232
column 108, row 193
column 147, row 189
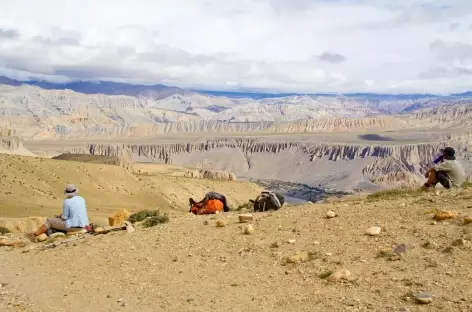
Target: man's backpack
column 268, row 200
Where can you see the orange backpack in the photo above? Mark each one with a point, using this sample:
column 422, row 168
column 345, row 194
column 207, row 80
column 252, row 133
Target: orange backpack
column 211, row 206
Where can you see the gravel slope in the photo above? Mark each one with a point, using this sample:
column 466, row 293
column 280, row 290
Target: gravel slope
column 188, row 266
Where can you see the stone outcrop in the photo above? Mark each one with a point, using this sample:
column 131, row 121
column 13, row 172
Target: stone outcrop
column 210, row 175
column 122, row 159
column 10, row 143
column 118, row 217
column 8, row 139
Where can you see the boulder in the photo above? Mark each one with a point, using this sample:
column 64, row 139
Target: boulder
column 41, row 238
column 246, row 218
column 339, row 275
column 423, row 298
column 220, row 223
column 118, row 217
column 373, row 231
column 445, row 215
column 331, row 214
column 248, row 229
column 299, row 257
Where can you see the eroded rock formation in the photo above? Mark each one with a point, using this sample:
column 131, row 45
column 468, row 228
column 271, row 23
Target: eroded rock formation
column 301, row 162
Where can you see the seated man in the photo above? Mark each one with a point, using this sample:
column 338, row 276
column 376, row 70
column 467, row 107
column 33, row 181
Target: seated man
column 212, row 203
column 448, row 171
column 74, row 214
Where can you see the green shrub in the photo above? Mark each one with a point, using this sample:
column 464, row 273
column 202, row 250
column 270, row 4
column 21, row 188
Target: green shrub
column 247, row 205
column 153, row 221
column 4, row 230
column 142, row 215
column 467, row 184
column 150, row 218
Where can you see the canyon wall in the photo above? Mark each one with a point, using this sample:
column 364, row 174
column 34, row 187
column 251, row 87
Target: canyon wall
column 94, row 129
column 340, row 166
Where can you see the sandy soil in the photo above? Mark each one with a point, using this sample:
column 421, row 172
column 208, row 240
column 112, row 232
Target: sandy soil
column 186, row 265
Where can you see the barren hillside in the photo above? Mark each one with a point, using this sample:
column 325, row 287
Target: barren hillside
column 186, row 265
column 33, row 187
column 38, row 113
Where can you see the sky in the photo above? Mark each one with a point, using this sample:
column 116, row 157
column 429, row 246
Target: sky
column 305, row 46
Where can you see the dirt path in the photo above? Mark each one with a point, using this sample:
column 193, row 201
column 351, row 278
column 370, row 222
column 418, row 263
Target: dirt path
column 188, row 266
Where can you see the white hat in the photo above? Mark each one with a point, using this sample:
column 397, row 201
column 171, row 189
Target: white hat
column 71, row 190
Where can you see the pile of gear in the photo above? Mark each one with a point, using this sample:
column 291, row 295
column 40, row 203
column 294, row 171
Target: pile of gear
column 214, row 202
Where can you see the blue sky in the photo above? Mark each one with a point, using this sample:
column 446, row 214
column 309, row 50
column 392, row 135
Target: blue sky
column 275, row 45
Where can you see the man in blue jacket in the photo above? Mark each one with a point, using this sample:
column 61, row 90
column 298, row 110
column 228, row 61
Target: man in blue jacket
column 73, row 217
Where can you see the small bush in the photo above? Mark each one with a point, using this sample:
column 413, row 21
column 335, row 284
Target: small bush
column 142, row 215
column 150, row 218
column 394, row 193
column 153, row 221
column 4, row 230
column 467, row 184
column 247, row 205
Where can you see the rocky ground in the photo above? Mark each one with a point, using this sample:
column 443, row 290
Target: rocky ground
column 191, row 264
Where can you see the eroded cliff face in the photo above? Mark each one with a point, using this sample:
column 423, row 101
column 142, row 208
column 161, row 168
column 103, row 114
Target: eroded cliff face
column 100, row 130
column 338, row 124
column 102, row 127
column 63, row 114
column 335, row 165
column 8, row 139
column 10, row 143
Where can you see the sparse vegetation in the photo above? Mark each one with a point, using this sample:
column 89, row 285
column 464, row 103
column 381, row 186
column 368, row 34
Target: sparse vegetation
column 467, row 184
column 394, row 193
column 150, row 217
column 247, row 205
column 142, row 215
column 4, row 230
column 399, row 192
column 153, row 221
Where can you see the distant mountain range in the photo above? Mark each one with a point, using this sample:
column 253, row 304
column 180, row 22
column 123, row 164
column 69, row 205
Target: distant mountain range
column 159, row 91
column 156, row 91
column 42, row 109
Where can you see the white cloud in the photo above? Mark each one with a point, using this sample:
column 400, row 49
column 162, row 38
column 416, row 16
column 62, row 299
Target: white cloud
column 278, row 45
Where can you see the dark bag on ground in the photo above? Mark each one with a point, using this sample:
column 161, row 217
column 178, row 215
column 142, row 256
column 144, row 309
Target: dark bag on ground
column 268, row 200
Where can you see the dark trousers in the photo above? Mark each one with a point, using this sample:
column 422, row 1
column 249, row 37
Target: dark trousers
column 440, row 177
